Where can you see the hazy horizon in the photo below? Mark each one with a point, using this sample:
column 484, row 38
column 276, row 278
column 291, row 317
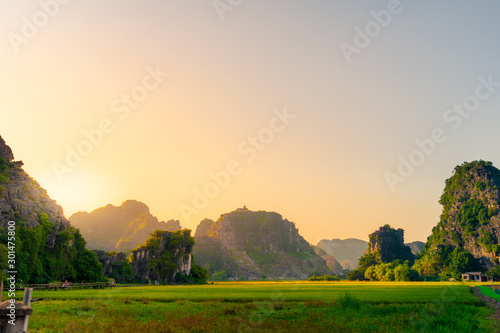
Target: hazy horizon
column 340, row 116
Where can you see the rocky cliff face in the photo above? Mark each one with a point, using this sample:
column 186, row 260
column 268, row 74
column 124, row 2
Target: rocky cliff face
column 257, row 244
column 163, row 256
column 5, row 151
column 470, row 220
column 120, row 228
column 22, row 199
column 203, row 227
column 47, row 247
column 388, row 245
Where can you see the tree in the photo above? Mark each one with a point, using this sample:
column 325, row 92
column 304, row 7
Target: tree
column 199, row 274
column 357, row 274
column 462, row 261
column 87, row 266
column 494, row 272
column 370, row 273
column 402, row 273
column 163, row 267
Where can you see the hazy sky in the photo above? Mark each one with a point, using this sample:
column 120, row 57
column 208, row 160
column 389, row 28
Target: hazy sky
column 308, row 107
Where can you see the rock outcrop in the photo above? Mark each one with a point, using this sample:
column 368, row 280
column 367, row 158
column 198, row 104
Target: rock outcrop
column 388, row 245
column 163, row 255
column 256, row 245
column 5, row 151
column 22, row 199
column 469, row 223
column 122, row 228
column 203, row 227
column 47, row 247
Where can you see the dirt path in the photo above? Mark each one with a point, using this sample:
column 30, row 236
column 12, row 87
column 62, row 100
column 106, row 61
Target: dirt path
column 494, row 303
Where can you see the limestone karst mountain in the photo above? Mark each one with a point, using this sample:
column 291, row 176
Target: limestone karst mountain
column 163, row 255
column 468, row 234
column 387, row 244
column 252, row 245
column 48, row 248
column 121, row 228
column 21, row 197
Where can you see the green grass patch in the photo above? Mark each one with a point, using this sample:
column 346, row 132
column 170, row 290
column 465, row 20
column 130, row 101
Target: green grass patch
column 265, row 307
column 123, row 315
column 489, row 292
column 378, row 292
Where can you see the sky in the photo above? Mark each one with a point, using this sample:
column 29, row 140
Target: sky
column 342, row 116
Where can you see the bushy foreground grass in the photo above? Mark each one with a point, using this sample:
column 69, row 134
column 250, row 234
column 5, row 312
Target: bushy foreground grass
column 346, row 315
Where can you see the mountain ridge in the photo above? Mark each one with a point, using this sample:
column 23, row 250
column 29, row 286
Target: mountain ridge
column 119, row 228
column 256, row 244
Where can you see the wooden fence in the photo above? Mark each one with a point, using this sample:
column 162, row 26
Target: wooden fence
column 71, row 286
column 68, row 286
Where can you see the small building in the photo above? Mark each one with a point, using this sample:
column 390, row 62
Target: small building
column 474, row 276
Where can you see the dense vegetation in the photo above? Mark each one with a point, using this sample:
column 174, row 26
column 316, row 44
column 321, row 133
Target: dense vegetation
column 468, row 223
column 326, row 277
column 387, row 258
column 217, row 260
column 166, row 248
column 45, row 254
column 117, row 266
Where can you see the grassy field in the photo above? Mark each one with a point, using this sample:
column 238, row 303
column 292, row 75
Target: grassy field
column 291, row 291
column 265, row 307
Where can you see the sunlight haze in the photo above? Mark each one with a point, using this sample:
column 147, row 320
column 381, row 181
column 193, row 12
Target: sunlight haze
column 262, row 108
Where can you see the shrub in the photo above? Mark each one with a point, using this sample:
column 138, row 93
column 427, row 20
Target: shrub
column 349, row 301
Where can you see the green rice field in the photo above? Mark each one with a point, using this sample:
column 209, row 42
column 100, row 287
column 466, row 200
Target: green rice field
column 265, row 307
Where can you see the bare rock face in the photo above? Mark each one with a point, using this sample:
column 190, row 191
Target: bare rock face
column 388, row 245
column 256, row 244
column 163, row 255
column 22, row 199
column 5, row 151
column 173, row 225
column 203, row 227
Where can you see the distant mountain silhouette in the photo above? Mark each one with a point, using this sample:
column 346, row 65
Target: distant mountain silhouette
column 346, row 251
column 416, row 247
column 120, row 228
